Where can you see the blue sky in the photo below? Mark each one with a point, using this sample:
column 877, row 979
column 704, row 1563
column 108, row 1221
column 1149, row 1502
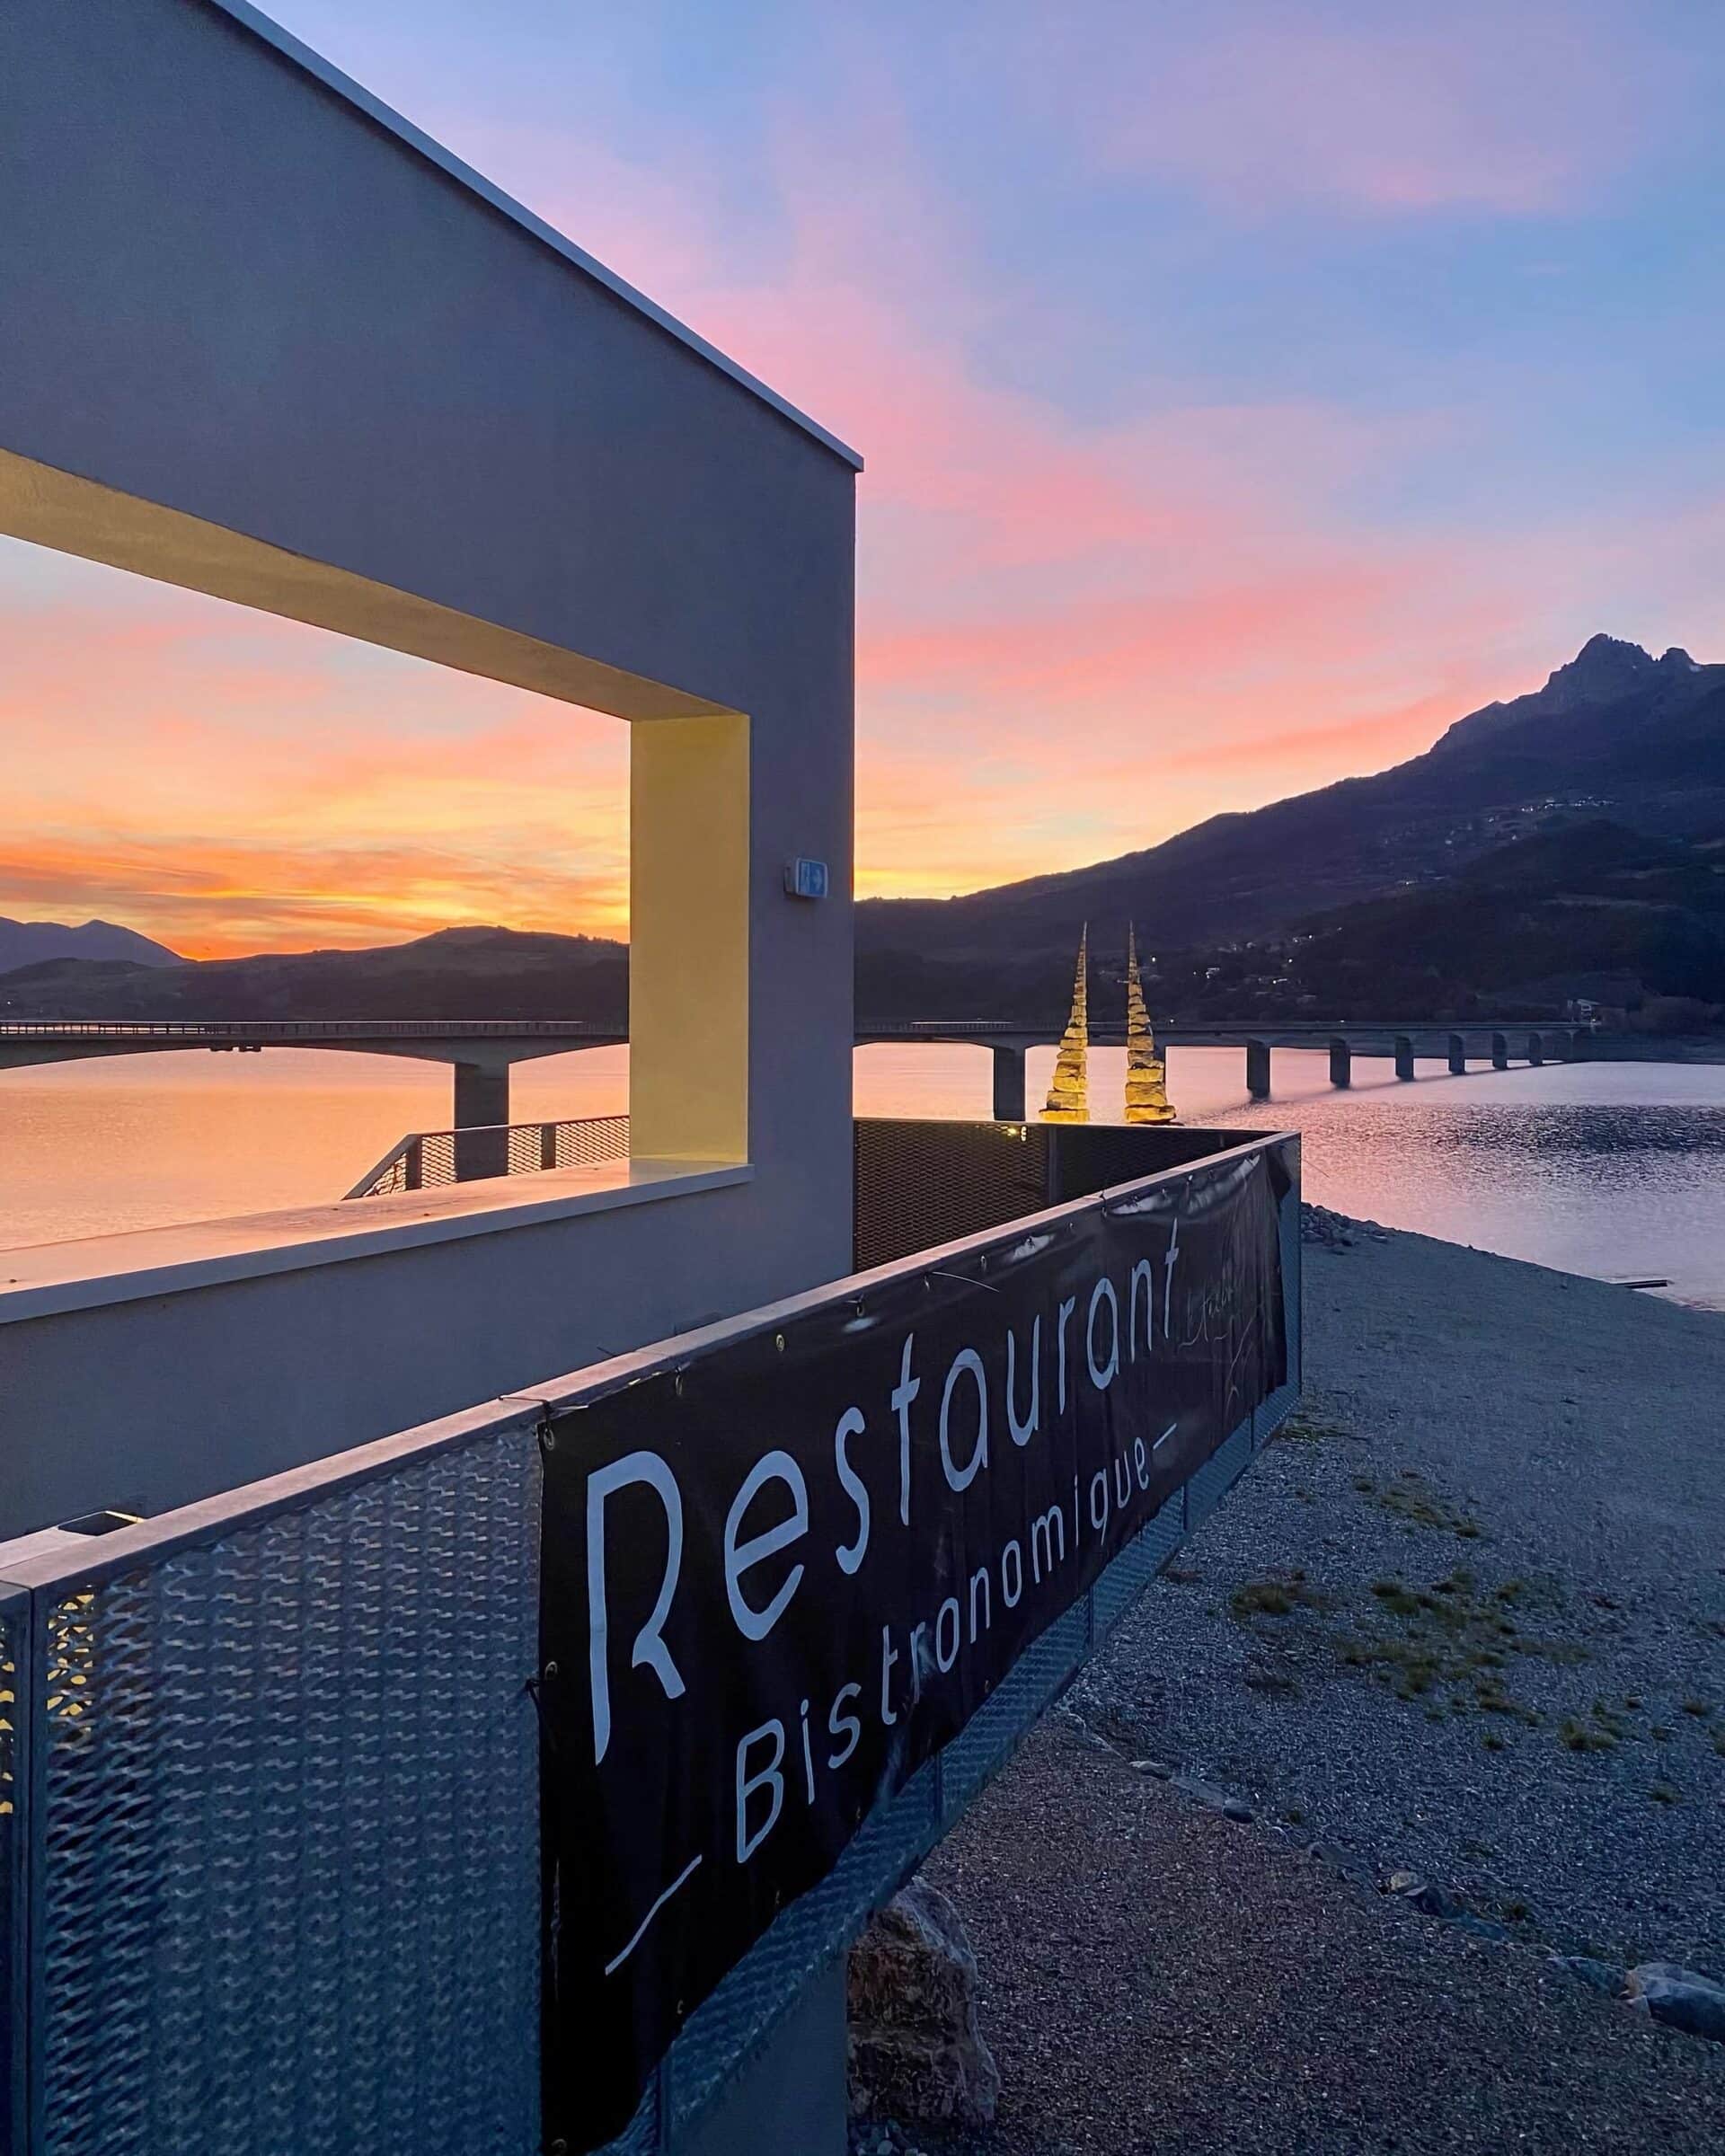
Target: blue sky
column 1247, row 390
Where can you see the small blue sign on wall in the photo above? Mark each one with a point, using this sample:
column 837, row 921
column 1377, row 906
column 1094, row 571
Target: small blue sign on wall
column 805, row 879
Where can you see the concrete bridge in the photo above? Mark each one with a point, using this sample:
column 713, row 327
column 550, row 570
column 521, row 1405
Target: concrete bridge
column 483, row 1051
column 1460, row 1047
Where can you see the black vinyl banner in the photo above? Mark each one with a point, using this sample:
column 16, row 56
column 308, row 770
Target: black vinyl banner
column 779, row 1576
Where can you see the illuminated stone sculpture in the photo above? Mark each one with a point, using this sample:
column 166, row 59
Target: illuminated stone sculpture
column 1069, row 1094
column 1146, row 1087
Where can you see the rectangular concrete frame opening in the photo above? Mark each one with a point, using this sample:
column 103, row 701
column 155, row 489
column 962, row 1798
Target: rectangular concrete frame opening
column 266, row 341
column 688, row 782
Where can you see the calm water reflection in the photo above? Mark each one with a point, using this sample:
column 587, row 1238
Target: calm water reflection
column 1609, row 1169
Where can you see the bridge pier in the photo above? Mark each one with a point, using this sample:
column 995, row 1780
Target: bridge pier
column 1404, row 1056
column 1500, row 1051
column 1009, row 1083
column 1458, row 1055
column 1535, row 1050
column 481, row 1108
column 1258, row 1070
column 1342, row 1062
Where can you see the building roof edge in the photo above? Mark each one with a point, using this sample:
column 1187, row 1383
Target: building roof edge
column 354, row 94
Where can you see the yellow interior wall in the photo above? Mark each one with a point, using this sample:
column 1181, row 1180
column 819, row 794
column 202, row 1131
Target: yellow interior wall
column 688, row 938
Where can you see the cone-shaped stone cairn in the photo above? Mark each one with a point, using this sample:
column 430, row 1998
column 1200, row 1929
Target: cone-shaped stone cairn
column 1069, row 1094
column 1146, row 1081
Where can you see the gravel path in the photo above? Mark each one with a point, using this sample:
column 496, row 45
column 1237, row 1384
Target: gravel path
column 1159, row 1979
column 1468, row 1616
column 1466, row 1619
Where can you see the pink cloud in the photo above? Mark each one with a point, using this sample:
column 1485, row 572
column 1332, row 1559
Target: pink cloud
column 1075, row 638
column 1521, row 111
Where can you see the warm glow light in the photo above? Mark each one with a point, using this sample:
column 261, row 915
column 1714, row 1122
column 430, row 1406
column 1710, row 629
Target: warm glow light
column 1245, row 398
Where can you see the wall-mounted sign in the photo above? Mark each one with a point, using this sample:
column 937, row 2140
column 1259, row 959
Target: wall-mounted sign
column 779, row 1577
column 805, row 879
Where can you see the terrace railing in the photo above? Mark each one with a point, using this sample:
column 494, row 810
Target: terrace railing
column 426, row 1159
column 279, row 1773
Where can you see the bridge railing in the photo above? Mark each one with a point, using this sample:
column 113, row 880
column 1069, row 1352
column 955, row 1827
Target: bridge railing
column 426, row 1159
column 278, row 1030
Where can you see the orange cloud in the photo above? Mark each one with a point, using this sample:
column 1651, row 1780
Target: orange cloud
column 1076, row 636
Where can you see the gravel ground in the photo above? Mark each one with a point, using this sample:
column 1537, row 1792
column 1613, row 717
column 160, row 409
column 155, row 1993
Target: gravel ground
column 1467, row 1616
column 1159, row 1979
column 1466, row 1619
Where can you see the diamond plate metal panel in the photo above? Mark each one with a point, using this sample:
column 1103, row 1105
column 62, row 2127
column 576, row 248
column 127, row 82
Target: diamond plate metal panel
column 1137, row 1564
column 14, row 1814
column 1222, row 1468
column 1293, row 1257
column 983, row 1746
column 288, row 1887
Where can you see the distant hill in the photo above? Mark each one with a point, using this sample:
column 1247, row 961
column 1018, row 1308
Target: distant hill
column 1568, row 843
column 457, row 973
column 1616, row 735
column 30, row 942
column 1590, row 909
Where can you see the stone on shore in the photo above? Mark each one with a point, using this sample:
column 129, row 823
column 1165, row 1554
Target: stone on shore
column 1681, row 1998
column 916, row 2052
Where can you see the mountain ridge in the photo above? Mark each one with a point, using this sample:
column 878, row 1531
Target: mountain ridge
column 1642, row 741
column 1541, row 846
column 30, row 942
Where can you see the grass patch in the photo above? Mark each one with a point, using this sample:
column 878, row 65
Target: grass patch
column 1276, row 1594
column 1450, row 1646
column 1662, row 1792
column 1585, row 1736
column 1411, row 1499
column 1301, row 1429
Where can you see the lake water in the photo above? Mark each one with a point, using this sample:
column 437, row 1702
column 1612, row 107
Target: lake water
column 1610, row 1168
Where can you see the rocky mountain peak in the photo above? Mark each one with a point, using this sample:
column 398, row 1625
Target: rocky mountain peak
column 1605, row 666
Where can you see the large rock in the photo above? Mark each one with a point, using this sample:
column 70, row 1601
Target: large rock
column 1681, row 1998
column 916, row 2051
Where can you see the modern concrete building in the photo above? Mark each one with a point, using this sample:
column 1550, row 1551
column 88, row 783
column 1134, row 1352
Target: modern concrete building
column 260, row 338
column 294, row 1857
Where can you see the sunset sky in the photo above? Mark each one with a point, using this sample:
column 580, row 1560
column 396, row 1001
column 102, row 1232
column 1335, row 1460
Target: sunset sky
column 1246, row 391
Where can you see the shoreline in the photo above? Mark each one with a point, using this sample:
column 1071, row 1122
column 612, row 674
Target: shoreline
column 1462, row 1627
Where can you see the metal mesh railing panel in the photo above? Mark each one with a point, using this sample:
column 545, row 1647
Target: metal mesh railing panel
column 920, row 1184
column 1086, row 1157
column 986, row 1741
column 289, row 1897
column 810, row 1933
column 1218, row 1472
column 426, row 1160
column 15, row 1721
column 1138, row 1563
